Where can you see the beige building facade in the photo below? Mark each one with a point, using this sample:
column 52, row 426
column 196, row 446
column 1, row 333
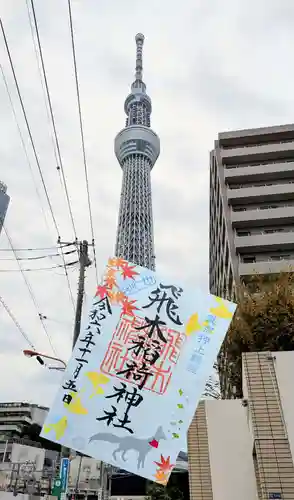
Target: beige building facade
column 244, row 449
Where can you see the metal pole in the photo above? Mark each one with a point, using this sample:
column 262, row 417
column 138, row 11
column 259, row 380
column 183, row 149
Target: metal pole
column 16, row 480
column 84, row 262
column 5, row 450
column 78, row 475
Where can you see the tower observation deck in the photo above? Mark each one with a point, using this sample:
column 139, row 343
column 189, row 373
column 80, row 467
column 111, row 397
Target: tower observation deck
column 137, row 148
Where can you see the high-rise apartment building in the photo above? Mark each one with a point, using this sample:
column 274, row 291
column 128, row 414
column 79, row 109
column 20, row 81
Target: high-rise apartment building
column 137, row 148
column 4, row 202
column 243, row 448
column 16, row 417
column 251, row 205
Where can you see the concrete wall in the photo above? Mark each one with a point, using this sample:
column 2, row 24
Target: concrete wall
column 230, row 451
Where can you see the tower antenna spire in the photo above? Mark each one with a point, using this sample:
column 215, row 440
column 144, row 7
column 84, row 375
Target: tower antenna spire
column 137, row 148
column 139, row 60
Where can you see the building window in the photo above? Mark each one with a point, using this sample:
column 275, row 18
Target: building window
column 280, row 257
column 268, row 207
column 239, row 209
column 243, row 233
column 230, row 283
column 249, row 259
column 271, row 231
column 227, row 257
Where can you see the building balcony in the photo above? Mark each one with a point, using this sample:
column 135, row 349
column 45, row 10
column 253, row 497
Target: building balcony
column 23, row 419
column 276, row 192
column 245, row 137
column 263, row 152
column 10, row 427
column 274, row 171
column 270, row 267
column 267, row 242
column 263, row 217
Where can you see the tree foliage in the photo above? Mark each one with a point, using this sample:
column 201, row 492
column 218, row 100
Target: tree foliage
column 264, row 321
column 212, row 387
column 170, row 492
column 32, row 432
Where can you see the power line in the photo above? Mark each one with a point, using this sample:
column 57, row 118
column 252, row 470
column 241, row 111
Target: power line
column 38, row 256
column 25, row 149
column 16, row 323
column 52, row 115
column 28, row 126
column 39, row 268
column 82, row 135
column 36, row 156
column 64, row 245
column 42, row 84
column 28, row 285
column 45, row 317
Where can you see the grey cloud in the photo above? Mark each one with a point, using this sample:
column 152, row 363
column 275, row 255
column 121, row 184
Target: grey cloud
column 224, row 94
column 207, row 67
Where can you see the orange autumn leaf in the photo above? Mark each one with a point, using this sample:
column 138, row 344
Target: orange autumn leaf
column 117, row 297
column 161, row 477
column 128, row 272
column 164, row 465
column 113, row 297
column 128, row 307
column 120, row 262
column 120, row 297
column 111, row 272
column 111, row 262
column 110, row 281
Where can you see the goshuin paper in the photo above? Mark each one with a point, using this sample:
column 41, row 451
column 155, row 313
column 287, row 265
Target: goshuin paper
column 138, row 370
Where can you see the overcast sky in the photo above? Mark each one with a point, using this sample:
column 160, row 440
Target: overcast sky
column 209, row 66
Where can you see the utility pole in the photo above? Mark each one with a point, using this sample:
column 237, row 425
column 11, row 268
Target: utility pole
column 84, row 262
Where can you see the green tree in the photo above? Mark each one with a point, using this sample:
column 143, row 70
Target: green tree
column 156, row 491
column 264, row 321
column 32, row 432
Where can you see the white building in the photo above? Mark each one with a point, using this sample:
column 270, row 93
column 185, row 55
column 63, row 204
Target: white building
column 244, row 449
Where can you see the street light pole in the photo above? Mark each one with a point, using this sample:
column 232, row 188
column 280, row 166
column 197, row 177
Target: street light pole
column 39, row 355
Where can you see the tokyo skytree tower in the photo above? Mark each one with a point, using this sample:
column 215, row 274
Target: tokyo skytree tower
column 137, row 148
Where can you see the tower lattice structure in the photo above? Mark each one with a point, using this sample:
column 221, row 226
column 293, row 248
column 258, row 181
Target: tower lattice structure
column 137, row 148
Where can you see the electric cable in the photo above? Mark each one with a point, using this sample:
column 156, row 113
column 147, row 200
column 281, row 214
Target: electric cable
column 47, row 318
column 82, row 135
column 9, row 312
column 60, row 165
column 38, row 257
column 39, row 268
column 25, row 150
column 42, row 83
column 64, row 245
column 31, row 293
column 36, row 156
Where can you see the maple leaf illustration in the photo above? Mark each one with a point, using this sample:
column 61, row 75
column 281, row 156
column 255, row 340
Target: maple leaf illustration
column 111, row 262
column 120, row 262
column 164, row 465
column 128, row 271
column 161, row 477
column 128, row 307
column 120, row 297
column 101, row 291
column 110, row 281
column 111, row 272
column 117, row 297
